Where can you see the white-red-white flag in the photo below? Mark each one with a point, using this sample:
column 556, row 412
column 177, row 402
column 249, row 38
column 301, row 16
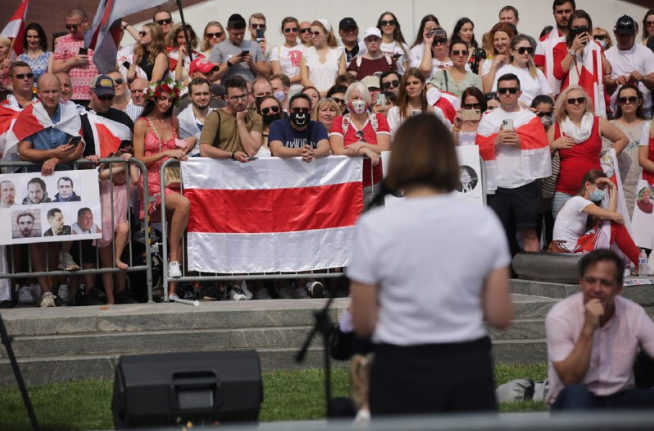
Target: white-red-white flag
column 103, row 36
column 15, row 29
column 271, row 214
column 107, row 134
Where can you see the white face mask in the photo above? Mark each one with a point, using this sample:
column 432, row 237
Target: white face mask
column 279, row 95
column 358, row 106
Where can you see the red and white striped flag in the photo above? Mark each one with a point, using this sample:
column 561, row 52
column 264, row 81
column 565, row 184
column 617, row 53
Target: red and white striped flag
column 591, row 77
column 15, row 29
column 107, row 134
column 448, row 102
column 271, row 214
column 534, row 147
column 103, row 36
column 34, row 118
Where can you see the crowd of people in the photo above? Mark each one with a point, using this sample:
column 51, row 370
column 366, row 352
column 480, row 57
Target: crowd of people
column 542, row 111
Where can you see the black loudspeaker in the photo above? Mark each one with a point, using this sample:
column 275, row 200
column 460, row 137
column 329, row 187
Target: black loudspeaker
column 174, row 388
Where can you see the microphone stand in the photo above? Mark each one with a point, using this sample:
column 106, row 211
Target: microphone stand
column 6, row 340
column 324, row 326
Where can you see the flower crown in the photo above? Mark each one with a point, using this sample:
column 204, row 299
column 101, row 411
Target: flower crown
column 168, row 85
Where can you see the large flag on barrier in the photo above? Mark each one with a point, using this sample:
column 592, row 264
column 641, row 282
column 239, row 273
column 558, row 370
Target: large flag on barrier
column 15, row 29
column 271, row 214
column 103, row 36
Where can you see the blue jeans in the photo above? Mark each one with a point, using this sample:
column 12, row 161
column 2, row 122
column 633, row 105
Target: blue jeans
column 578, row 397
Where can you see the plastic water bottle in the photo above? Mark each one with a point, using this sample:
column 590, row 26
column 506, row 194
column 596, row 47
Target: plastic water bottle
column 643, row 264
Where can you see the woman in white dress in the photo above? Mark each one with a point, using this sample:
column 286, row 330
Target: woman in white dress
column 324, row 61
column 286, row 58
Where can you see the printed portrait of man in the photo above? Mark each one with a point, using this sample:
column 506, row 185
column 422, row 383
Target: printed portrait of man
column 65, row 187
column 84, row 224
column 56, row 222
column 7, row 194
column 36, row 192
column 26, row 225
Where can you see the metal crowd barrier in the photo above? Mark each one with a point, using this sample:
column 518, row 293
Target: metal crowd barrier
column 247, row 277
column 144, row 199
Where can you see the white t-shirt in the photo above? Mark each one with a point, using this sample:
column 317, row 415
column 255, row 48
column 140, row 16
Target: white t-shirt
column 394, row 120
column 531, row 87
column 430, row 258
column 570, row 223
column 396, row 48
column 289, row 60
column 639, row 58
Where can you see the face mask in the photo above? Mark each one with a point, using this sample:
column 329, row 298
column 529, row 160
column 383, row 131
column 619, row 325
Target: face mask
column 597, row 195
column 546, row 120
column 602, row 43
column 279, row 95
column 300, row 119
column 267, row 119
column 358, row 106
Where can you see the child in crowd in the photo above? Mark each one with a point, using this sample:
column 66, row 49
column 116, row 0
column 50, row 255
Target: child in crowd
column 114, row 193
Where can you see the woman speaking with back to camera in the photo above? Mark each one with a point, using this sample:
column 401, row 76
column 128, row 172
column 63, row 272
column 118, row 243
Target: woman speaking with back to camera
column 415, row 292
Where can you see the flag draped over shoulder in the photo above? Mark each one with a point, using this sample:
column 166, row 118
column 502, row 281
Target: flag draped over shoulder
column 8, row 114
column 107, row 134
column 103, row 36
column 15, row 29
column 271, row 214
column 534, row 146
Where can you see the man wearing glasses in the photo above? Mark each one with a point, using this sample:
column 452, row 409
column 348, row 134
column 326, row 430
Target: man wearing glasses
column 71, row 57
column 236, row 56
column 514, row 146
column 297, row 135
column 22, row 83
column 305, row 33
column 232, row 132
column 631, row 62
column 104, row 127
column 592, row 340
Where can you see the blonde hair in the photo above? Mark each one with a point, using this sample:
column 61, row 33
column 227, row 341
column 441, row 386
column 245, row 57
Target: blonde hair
column 156, row 46
column 205, row 43
column 559, row 106
column 530, row 64
column 322, row 102
column 331, row 39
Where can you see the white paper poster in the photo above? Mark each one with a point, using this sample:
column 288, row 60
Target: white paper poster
column 64, row 206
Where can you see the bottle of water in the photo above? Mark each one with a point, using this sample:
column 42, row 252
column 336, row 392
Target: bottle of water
column 643, row 264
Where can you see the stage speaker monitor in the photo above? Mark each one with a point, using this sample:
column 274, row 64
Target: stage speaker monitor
column 174, row 388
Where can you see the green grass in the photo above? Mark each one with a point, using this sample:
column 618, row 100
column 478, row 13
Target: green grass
column 289, row 395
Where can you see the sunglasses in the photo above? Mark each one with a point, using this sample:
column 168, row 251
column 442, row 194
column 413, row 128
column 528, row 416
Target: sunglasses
column 143, row 33
column 463, row 52
column 292, row 30
column 305, row 30
column 212, row 35
column 106, row 97
column 315, row 33
column 72, row 27
column 599, row 37
column 441, row 41
column 164, row 21
column 575, row 100
column 338, row 101
column 24, row 75
column 630, row 99
column 528, row 49
column 649, row 23
column 385, row 23
column 301, row 110
column 542, row 114
column 471, row 106
column 267, row 111
column 512, row 90
column 256, row 26
column 391, row 84
column 118, row 81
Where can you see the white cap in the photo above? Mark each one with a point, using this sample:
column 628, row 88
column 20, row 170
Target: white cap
column 372, row 31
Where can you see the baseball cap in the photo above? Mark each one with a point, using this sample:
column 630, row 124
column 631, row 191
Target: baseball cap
column 625, row 25
column 217, row 90
column 103, row 85
column 372, row 31
column 347, row 23
column 371, row 81
column 202, row 65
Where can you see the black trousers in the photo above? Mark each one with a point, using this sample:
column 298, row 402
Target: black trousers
column 435, row 378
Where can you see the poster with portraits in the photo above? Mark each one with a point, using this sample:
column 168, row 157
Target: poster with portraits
column 642, row 221
column 470, row 186
column 64, row 206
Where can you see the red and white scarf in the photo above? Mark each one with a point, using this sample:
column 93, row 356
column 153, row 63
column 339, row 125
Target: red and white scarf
column 535, row 149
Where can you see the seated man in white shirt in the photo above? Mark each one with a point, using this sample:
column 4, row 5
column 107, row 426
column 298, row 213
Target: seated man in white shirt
column 191, row 119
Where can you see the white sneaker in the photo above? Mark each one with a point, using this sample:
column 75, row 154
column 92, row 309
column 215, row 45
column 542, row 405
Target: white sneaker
column 63, row 292
column 25, row 295
column 316, row 289
column 68, row 262
column 174, row 270
column 47, row 300
column 244, row 289
column 234, row 293
column 173, row 297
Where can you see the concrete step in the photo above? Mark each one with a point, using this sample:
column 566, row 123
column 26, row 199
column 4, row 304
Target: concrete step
column 641, row 294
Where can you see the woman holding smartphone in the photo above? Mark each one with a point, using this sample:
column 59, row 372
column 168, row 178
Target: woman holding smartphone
column 466, row 121
column 580, row 61
column 412, row 100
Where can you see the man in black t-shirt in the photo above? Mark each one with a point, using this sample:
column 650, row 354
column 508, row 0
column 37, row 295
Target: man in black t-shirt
column 111, row 127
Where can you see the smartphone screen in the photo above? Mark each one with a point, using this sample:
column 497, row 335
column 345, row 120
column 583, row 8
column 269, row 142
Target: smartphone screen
column 245, row 52
column 83, row 51
column 416, row 112
column 76, row 140
column 381, row 99
column 260, row 33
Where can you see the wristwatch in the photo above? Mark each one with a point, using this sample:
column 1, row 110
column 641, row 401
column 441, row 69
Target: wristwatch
column 572, row 52
column 233, row 155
